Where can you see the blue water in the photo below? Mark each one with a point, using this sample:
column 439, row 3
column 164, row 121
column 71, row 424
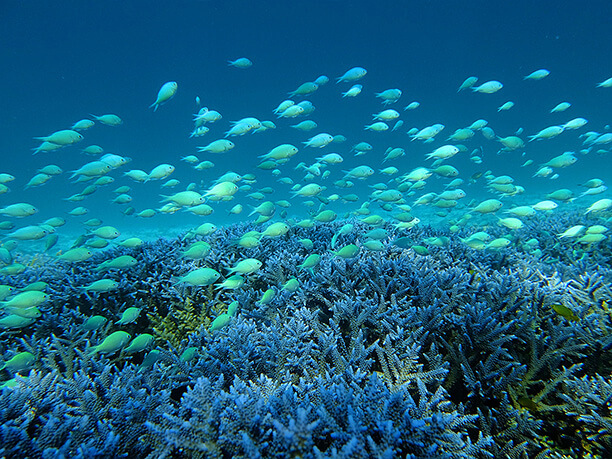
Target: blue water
column 518, row 336
column 65, row 60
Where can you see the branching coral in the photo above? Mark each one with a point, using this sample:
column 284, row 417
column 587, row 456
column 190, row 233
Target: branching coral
column 460, row 353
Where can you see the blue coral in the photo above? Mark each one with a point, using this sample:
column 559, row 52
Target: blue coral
column 459, row 353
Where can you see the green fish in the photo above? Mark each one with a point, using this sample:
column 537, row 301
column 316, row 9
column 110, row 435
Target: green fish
column 129, row 316
column 101, row 286
column 373, row 245
column 346, row 252
column 28, row 299
column 420, row 250
column 292, row 285
column 566, row 312
column 112, row 343
column 311, row 261
column 20, row 362
column 150, row 359
column 140, row 343
column 15, row 321
column 94, row 322
column 232, row 308
column 267, row 296
column 220, row 321
column 189, row 354
column 200, row 277
column 121, row 262
column 232, row 283
column 6, row 291
column 35, row 286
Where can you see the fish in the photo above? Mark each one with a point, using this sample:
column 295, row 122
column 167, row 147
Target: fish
column 27, row 299
column 200, row 277
column 346, row 252
column 217, row 146
column 129, row 316
column 109, row 119
column 101, row 286
column 306, row 125
column 389, row 96
column 489, row 87
column 547, row 133
column 488, row 206
column 353, row 74
column 599, row 206
column 469, row 82
column 166, row 92
column 120, row 262
column 19, row 210
column 319, row 140
column 232, row 283
column 565, row 312
column 240, row 63
column 605, row 84
column 246, row 266
column 140, row 343
column 561, row 107
column 63, row 137
column 379, row 126
column 537, row 75
column 219, row 322
column 19, row 362
column 305, row 89
column 112, row 343
column 386, row 115
column 160, row 172
column 82, row 125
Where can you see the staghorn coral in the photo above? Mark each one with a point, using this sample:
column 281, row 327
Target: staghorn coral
column 461, row 353
column 179, row 320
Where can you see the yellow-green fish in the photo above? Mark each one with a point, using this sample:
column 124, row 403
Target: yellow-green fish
column 220, row 321
column 129, row 316
column 246, row 266
column 120, row 262
column 565, row 312
column 346, row 252
column 20, row 362
column 200, row 277
column 28, row 299
column 112, row 343
column 140, row 343
column 166, row 92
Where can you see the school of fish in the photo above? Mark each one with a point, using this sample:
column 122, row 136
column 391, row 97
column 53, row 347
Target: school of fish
column 415, row 180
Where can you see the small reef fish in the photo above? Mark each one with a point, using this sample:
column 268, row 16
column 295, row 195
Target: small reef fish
column 166, row 92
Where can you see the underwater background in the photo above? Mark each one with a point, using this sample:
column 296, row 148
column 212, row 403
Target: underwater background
column 462, row 313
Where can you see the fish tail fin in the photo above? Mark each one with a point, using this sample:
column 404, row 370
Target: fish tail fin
column 333, row 240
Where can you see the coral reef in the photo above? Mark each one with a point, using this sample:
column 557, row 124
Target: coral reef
column 458, row 353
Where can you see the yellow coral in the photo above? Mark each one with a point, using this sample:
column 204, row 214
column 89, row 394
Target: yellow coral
column 182, row 319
